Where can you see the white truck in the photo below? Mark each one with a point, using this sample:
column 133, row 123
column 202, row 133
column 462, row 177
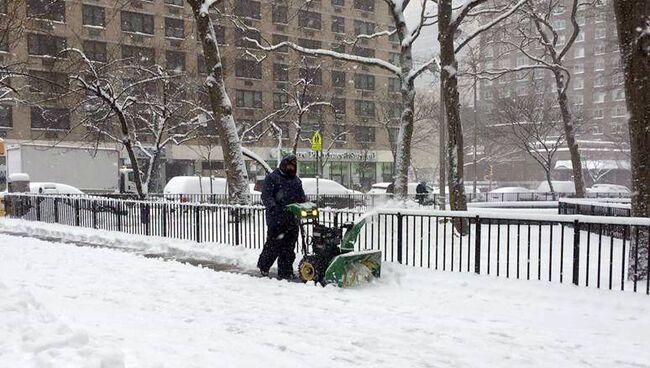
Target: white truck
column 94, row 170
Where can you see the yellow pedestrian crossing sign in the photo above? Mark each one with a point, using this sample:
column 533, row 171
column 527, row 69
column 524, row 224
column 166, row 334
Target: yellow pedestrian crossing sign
column 316, row 142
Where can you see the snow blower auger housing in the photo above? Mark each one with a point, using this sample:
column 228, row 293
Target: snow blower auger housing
column 328, row 253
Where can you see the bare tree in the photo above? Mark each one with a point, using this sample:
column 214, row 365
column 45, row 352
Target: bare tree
column 236, row 174
column 449, row 29
column 406, row 72
column 633, row 25
column 530, row 124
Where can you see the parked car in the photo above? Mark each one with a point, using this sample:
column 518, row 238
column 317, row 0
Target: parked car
column 331, row 193
column 613, row 189
column 561, row 188
column 509, row 194
column 200, row 188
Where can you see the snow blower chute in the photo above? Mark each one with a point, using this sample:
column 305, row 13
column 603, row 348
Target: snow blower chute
column 332, row 259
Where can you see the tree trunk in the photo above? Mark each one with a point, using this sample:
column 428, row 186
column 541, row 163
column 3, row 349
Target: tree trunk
column 633, row 26
column 296, row 137
column 569, row 132
column 549, row 180
column 236, row 174
column 403, row 149
column 154, row 184
column 442, row 156
column 455, row 151
column 128, row 145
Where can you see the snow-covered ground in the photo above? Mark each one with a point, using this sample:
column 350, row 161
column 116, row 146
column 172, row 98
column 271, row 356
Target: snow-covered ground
column 68, row 306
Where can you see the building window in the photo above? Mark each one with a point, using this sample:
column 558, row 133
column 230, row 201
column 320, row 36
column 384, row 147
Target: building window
column 338, row 47
column 363, row 51
column 136, row 22
column 313, row 75
column 240, row 37
column 599, row 49
column 277, row 39
column 394, row 85
column 365, row 5
column 280, row 72
column 338, row 2
column 619, row 111
column 580, row 37
column 220, row 32
column 581, row 18
column 521, row 90
column 361, row 27
column 309, row 19
column 561, row 39
column 365, row 134
column 280, row 14
column 175, row 60
column 50, row 118
column 598, row 113
column 394, row 58
column 601, row 32
column 93, row 16
column 95, row 50
column 248, row 9
column 559, row 24
column 280, row 100
column 53, row 10
column 284, row 127
column 248, row 69
column 138, row 55
column 579, row 52
column 578, row 83
column 578, row 100
column 619, row 94
column 309, row 44
column 338, row 79
column 578, row 69
column 6, row 119
column 45, row 45
column 364, row 81
column 174, row 2
column 618, row 79
column 338, row 103
column 338, row 24
column 599, row 81
column 394, row 37
column 3, row 6
column 599, row 64
column 599, row 97
column 250, row 99
column 364, row 108
column 174, row 28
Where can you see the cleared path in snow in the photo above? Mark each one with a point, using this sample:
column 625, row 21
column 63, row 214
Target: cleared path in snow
column 120, row 309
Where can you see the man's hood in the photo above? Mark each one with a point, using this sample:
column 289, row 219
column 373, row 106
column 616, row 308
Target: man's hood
column 286, row 160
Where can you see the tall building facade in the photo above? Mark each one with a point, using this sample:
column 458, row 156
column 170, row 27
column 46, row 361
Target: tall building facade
column 162, row 32
column 595, row 91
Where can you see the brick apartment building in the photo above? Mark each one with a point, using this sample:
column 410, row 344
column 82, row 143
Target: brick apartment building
column 162, row 32
column 596, row 94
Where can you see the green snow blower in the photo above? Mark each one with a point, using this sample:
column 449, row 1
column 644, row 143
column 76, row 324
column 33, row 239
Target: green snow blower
column 332, row 259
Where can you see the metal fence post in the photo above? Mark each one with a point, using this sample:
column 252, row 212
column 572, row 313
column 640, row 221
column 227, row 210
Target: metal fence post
column 94, row 211
column 56, row 210
column 77, row 219
column 164, row 220
column 576, row 252
column 197, row 221
column 477, row 246
column 38, row 208
column 237, row 217
column 399, row 237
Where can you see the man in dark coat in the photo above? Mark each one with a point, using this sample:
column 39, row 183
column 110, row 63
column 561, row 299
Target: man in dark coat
column 281, row 187
column 421, row 192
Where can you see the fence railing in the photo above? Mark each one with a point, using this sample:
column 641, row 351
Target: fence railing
column 583, row 250
column 593, row 208
column 361, row 201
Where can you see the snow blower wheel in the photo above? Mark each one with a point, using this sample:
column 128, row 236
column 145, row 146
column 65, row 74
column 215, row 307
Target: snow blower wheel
column 308, row 270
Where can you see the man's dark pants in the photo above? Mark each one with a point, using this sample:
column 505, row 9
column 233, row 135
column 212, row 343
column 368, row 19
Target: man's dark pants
column 280, row 245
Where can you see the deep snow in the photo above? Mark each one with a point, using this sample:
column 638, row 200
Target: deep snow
column 67, row 306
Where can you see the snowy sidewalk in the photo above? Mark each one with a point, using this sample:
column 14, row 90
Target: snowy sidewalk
column 68, row 306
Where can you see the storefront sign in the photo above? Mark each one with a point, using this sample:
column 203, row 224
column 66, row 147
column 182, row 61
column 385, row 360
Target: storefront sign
column 354, row 156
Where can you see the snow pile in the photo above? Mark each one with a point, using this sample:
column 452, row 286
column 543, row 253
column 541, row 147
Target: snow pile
column 34, row 337
column 167, row 314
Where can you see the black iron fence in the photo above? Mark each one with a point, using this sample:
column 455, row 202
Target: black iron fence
column 592, row 208
column 362, row 201
column 583, row 250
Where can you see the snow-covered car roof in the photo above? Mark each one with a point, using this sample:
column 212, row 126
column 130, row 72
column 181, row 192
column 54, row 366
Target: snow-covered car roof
column 511, row 190
column 325, row 186
column 608, row 188
column 53, row 188
column 195, row 185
